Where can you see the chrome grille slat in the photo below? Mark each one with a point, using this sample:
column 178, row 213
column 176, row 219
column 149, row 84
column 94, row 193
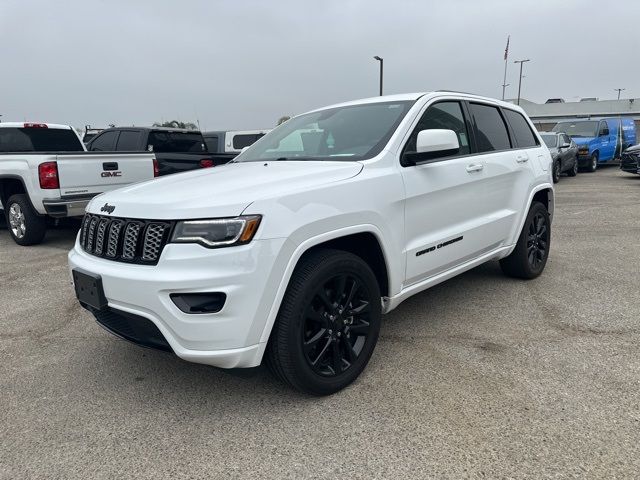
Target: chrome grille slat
column 130, row 240
column 100, row 233
column 153, row 241
column 114, row 238
column 124, row 240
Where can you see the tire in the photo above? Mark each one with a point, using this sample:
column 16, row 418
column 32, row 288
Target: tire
column 308, row 347
column 25, row 225
column 593, row 163
column 574, row 169
column 530, row 256
column 556, row 171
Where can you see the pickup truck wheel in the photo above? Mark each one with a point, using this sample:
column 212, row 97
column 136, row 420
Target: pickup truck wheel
column 556, row 171
column 328, row 323
column 593, row 163
column 574, row 169
column 529, row 257
column 25, row 225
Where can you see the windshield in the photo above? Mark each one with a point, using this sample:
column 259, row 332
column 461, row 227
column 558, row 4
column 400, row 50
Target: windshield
column 39, row 140
column 356, row 132
column 578, row 129
column 176, row 142
column 550, row 140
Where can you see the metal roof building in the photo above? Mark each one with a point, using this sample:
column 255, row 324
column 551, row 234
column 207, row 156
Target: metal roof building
column 546, row 115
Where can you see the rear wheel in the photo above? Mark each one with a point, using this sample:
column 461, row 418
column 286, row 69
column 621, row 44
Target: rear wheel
column 556, row 171
column 574, row 169
column 25, row 225
column 328, row 323
column 529, row 257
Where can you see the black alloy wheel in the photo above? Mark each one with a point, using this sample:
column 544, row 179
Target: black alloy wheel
column 328, row 323
column 537, row 241
column 336, row 325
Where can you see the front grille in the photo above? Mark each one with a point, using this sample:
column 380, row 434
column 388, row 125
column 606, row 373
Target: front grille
column 124, row 240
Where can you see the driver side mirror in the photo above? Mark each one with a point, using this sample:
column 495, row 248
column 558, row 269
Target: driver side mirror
column 565, row 145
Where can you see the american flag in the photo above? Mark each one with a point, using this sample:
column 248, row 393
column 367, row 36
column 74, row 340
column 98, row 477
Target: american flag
column 506, row 50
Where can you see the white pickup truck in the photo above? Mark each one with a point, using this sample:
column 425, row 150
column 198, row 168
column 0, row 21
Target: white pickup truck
column 46, row 172
column 293, row 251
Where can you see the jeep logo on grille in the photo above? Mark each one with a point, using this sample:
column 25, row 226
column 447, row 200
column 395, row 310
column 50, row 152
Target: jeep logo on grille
column 108, row 208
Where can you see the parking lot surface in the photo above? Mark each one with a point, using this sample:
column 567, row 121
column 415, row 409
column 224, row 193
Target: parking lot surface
column 482, row 376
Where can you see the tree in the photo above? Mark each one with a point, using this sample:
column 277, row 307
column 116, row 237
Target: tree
column 177, row 124
column 283, row 119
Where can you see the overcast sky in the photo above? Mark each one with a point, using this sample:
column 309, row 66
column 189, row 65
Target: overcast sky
column 242, row 64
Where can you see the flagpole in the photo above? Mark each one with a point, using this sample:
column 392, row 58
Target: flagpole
column 506, row 55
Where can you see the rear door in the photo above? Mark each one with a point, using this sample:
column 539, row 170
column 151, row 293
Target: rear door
column 506, row 169
column 446, row 217
column 92, row 173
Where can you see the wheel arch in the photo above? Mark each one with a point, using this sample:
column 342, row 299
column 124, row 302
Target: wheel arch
column 365, row 241
column 11, row 185
column 542, row 193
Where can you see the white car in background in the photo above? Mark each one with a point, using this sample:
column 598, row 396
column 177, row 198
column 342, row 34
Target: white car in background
column 292, row 251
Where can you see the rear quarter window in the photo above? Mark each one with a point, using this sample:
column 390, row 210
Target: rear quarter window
column 522, row 132
column 39, row 140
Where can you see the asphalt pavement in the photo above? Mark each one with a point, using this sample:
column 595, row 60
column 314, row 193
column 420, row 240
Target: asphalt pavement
column 482, row 376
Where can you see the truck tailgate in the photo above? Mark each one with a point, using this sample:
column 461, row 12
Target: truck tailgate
column 92, row 173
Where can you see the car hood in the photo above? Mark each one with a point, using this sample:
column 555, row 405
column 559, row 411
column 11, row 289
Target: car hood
column 583, row 140
column 635, row 148
column 219, row 192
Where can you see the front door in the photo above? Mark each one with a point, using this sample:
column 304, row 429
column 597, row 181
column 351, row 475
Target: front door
column 446, row 217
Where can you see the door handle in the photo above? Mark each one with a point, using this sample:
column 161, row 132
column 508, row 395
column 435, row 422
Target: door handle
column 522, row 158
column 474, row 167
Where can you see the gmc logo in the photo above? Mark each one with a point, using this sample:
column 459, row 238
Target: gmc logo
column 111, row 174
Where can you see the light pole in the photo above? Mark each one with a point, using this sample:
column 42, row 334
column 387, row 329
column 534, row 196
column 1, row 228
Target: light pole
column 520, row 78
column 381, row 64
column 619, row 90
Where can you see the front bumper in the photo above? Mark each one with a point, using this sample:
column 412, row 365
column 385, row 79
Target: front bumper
column 229, row 338
column 630, row 163
column 66, row 207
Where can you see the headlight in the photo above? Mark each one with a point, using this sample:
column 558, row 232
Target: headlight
column 217, row 232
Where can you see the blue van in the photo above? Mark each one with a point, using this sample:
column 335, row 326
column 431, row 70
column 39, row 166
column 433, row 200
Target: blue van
column 599, row 141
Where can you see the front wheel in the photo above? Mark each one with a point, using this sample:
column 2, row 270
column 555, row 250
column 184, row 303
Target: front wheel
column 593, row 163
column 556, row 171
column 328, row 323
column 529, row 257
column 25, row 225
column 574, row 170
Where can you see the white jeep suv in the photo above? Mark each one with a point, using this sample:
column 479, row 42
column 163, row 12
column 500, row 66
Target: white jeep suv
column 293, row 251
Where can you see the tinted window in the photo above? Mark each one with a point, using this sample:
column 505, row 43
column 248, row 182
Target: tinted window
column 604, row 129
column 39, row 140
column 105, row 142
column 491, row 132
column 176, row 142
column 521, row 129
column 128, row 141
column 353, row 132
column 566, row 139
column 447, row 115
column 212, row 143
column 245, row 139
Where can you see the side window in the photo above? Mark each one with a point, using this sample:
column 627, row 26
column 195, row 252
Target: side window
column 128, row 141
column 565, row 139
column 244, row 140
column 104, row 142
column 446, row 115
column 491, row 132
column 521, row 130
column 604, row 129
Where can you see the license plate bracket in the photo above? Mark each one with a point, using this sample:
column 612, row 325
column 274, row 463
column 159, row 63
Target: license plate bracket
column 89, row 290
